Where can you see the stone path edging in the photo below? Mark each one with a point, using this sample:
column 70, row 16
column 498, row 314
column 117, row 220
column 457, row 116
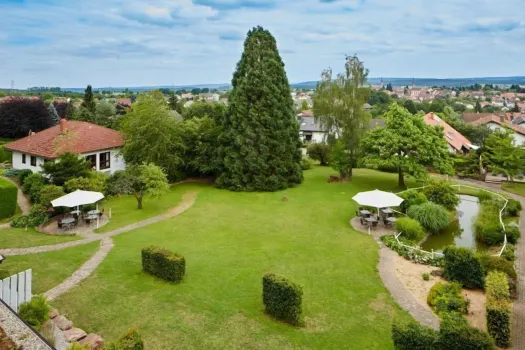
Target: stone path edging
column 188, row 199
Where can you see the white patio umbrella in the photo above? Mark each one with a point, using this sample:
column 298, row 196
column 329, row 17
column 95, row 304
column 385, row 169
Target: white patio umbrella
column 378, row 199
column 77, row 198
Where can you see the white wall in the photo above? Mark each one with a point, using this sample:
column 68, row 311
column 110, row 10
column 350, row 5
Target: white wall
column 116, row 161
column 317, row 137
column 518, row 138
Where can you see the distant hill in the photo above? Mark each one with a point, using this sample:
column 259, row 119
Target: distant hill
column 451, row 82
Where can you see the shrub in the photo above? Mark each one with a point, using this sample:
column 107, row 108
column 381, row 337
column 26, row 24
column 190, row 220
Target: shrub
column 306, row 164
column 163, row 264
column 76, row 346
column 12, row 173
column 32, row 186
column 35, row 312
column 498, row 321
column 112, row 187
column 319, row 152
column 412, row 335
column 49, row 193
column 495, row 263
column 412, row 197
column 282, row 298
column 8, row 195
column 456, row 334
column 426, row 276
column 130, row 341
column 487, row 225
column 461, row 265
column 432, row 217
column 513, row 234
column 23, row 174
column 411, row 254
column 37, row 216
column 509, row 253
column 95, row 182
column 513, row 207
column 446, row 297
column 440, row 192
column 410, row 228
column 484, row 196
column 513, row 287
column 67, row 166
column 497, row 285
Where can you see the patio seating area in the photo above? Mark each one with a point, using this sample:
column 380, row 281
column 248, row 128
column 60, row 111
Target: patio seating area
column 76, row 223
column 375, row 211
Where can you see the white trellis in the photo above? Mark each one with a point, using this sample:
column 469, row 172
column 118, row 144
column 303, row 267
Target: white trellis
column 16, row 289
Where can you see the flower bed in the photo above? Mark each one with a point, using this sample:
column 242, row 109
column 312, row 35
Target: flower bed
column 414, row 255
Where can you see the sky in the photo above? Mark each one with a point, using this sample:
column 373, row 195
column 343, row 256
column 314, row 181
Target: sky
column 72, row 43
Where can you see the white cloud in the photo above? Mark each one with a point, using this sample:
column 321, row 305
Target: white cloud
column 132, row 42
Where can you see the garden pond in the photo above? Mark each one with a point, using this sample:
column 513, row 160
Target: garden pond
column 460, row 232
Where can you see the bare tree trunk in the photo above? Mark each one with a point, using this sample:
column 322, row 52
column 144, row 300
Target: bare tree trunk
column 401, row 178
column 139, row 201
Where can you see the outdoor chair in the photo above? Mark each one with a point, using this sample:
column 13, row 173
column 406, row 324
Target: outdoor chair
column 101, row 213
column 374, row 224
column 363, row 222
column 59, row 225
column 387, row 222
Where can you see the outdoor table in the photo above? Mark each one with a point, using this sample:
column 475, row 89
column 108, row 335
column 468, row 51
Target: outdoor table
column 364, row 213
column 93, row 212
column 75, row 212
column 387, row 211
column 67, row 221
column 392, row 219
column 371, row 220
column 92, row 217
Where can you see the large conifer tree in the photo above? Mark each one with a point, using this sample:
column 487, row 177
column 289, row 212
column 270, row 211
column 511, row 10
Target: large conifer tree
column 260, row 139
column 89, row 102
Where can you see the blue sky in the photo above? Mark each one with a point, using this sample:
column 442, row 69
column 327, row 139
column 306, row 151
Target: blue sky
column 71, row 43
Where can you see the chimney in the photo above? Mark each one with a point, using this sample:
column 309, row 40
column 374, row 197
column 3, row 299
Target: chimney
column 63, row 126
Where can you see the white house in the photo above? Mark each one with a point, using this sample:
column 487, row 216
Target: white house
column 97, row 144
column 494, row 122
column 309, row 129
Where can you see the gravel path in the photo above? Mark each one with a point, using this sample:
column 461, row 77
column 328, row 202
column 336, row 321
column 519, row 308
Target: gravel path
column 106, row 244
column 188, row 199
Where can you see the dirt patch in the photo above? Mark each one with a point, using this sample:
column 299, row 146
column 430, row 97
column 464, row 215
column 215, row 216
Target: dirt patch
column 379, row 305
column 317, row 324
column 411, row 275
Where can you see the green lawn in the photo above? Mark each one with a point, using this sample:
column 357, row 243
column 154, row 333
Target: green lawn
column 20, row 238
column 517, row 188
column 230, row 240
column 124, row 209
column 49, row 269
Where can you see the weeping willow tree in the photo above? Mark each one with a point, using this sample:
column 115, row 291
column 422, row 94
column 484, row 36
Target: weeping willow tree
column 338, row 107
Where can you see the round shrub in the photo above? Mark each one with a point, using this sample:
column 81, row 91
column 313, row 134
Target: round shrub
column 412, row 197
column 49, row 193
column 129, row 341
column 35, row 312
column 8, row 195
column 513, row 233
column 446, row 297
column 32, row 186
column 495, row 263
column 410, row 228
column 513, row 207
column 440, row 192
column 432, row 217
column 461, row 265
column 306, row 164
column 23, row 174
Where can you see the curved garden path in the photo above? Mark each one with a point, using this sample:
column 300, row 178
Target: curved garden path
column 106, row 244
column 22, row 201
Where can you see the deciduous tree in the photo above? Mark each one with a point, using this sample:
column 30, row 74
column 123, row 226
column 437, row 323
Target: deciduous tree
column 260, row 141
column 20, row 115
column 502, row 154
column 338, row 106
column 409, row 144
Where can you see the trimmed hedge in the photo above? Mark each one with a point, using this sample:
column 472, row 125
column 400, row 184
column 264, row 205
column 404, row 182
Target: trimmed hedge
column 446, row 297
column 432, row 217
column 495, row 263
column 457, row 334
column 163, row 264
column 410, row 228
column 8, row 194
column 282, row 299
column 461, row 265
column 412, row 335
column 498, row 308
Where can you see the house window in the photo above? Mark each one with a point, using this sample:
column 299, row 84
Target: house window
column 105, row 161
column 33, row 161
column 92, row 159
column 23, row 158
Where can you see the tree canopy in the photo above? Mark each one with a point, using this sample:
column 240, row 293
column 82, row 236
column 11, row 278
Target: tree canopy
column 260, row 142
column 66, row 167
column 20, row 115
column 89, row 102
column 408, row 143
column 502, row 154
column 152, row 135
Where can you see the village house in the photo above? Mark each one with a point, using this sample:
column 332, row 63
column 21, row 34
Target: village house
column 501, row 122
column 97, row 144
column 309, row 129
column 457, row 143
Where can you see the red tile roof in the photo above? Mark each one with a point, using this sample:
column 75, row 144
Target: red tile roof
column 75, row 136
column 498, row 120
column 124, row 102
column 453, row 137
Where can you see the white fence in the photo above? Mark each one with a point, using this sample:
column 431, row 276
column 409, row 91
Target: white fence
column 16, row 289
column 475, row 188
column 432, row 253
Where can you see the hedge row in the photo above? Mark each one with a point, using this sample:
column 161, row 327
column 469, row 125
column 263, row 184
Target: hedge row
column 498, row 308
column 163, row 264
column 461, row 265
column 282, row 299
column 8, row 193
column 455, row 334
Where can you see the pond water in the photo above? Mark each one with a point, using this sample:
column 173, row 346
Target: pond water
column 460, row 232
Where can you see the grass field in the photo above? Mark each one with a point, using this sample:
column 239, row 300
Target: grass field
column 124, row 209
column 230, row 240
column 517, row 188
column 49, row 269
column 20, row 238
